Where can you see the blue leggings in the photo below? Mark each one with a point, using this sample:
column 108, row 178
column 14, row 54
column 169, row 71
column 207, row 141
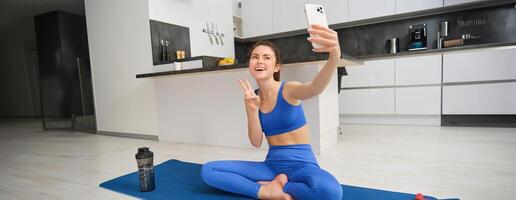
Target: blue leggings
column 306, row 180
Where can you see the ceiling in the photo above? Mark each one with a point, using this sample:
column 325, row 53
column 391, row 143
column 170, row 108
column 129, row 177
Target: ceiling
column 14, row 11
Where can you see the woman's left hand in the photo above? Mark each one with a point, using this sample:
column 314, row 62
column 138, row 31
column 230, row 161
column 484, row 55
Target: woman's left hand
column 325, row 36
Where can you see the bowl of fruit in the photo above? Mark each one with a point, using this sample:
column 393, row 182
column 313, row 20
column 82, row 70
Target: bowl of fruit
column 226, row 62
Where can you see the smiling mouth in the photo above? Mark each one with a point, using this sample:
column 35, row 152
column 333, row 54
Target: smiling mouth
column 259, row 69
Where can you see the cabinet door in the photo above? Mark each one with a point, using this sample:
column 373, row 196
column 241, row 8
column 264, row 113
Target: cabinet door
column 481, row 65
column 367, row 101
column 418, row 100
column 257, row 18
column 480, row 99
column 404, row 6
column 372, row 73
column 289, row 15
column 418, row 70
column 337, row 11
column 455, row 2
column 363, row 9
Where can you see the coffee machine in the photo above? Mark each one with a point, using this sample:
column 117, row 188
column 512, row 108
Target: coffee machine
column 417, row 37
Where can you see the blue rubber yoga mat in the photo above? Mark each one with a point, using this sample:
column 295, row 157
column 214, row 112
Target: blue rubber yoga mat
column 181, row 180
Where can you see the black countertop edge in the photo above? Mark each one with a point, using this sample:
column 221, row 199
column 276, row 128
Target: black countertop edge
column 430, row 51
column 388, row 18
column 312, row 58
column 183, row 60
column 188, row 71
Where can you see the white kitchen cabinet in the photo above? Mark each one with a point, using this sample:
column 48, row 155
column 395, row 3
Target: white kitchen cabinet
column 367, row 101
column 404, row 6
column 276, row 16
column 480, row 99
column 418, row 70
column 372, row 73
column 337, row 11
column 363, row 9
column 257, row 18
column 288, row 15
column 418, row 100
column 480, row 65
column 455, row 2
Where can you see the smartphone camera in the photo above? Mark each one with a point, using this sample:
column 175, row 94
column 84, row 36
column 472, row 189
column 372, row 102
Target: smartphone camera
column 320, row 10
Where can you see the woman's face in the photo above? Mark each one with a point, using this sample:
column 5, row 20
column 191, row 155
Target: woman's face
column 262, row 63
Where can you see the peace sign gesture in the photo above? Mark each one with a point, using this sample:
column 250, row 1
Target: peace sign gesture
column 252, row 101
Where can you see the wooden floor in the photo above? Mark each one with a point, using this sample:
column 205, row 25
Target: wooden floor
column 469, row 163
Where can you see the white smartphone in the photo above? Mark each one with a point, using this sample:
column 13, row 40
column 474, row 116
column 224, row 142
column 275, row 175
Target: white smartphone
column 315, row 14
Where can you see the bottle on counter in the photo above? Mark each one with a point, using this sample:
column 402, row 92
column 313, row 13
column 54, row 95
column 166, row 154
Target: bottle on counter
column 178, row 55
column 167, row 54
column 163, row 51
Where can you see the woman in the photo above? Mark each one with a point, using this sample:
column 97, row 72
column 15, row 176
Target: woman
column 290, row 170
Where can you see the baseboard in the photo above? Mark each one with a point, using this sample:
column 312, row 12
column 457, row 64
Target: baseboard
column 506, row 121
column 129, row 135
column 424, row 120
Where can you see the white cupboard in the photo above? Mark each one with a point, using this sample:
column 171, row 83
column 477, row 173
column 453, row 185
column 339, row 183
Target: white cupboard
column 404, row 6
column 480, row 82
column 370, row 74
column 337, row 11
column 418, row 100
column 288, row 15
column 395, row 87
column 367, row 101
column 418, row 70
column 264, row 17
column 480, row 65
column 455, row 2
column 363, row 9
column 257, row 18
column 480, row 99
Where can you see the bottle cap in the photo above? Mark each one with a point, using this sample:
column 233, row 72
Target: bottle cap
column 143, row 153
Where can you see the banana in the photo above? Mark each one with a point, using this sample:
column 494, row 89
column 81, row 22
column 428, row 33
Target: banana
column 226, row 61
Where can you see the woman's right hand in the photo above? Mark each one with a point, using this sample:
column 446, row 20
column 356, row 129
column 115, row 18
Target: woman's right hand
column 252, row 101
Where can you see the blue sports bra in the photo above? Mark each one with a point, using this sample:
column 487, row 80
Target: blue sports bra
column 283, row 118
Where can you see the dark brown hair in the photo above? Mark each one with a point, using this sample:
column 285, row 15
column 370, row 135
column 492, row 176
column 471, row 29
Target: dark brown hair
column 276, row 54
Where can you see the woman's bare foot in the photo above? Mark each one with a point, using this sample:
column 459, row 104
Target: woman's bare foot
column 273, row 190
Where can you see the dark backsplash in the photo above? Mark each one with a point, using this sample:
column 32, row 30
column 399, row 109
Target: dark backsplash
column 492, row 24
column 178, row 37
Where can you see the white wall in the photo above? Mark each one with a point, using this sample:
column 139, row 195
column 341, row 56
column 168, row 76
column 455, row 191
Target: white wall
column 328, row 114
column 194, row 14
column 236, row 10
column 18, row 89
column 120, row 48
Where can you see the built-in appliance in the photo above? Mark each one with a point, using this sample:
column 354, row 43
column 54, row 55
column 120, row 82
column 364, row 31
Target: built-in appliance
column 417, row 37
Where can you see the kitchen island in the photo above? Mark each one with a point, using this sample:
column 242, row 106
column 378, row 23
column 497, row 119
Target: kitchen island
column 205, row 105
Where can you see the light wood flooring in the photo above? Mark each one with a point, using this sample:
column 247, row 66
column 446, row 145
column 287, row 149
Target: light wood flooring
column 469, row 163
